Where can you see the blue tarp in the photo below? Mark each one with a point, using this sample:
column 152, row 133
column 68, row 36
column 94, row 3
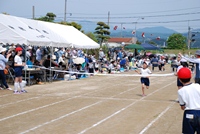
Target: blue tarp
column 147, row 46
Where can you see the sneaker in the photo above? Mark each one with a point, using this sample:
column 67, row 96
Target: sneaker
column 16, row 92
column 144, row 95
column 1, row 88
column 24, row 91
column 9, row 88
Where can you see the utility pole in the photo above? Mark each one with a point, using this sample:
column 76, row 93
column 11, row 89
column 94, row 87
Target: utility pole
column 33, row 12
column 108, row 18
column 189, row 36
column 65, row 13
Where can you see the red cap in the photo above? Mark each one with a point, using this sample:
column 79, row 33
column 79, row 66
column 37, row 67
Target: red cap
column 18, row 49
column 184, row 73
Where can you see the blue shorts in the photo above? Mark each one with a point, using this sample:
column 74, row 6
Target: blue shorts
column 145, row 81
column 191, row 122
column 18, row 71
column 179, row 84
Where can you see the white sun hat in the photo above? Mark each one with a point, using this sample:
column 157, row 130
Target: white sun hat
column 2, row 49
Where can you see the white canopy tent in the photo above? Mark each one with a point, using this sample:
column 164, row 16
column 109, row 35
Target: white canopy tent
column 76, row 38
column 39, row 26
column 38, row 33
column 14, row 31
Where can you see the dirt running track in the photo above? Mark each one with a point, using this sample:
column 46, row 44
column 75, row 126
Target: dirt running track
column 95, row 105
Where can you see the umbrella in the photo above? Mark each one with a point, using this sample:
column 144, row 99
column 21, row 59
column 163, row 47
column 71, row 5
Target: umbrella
column 78, row 60
column 134, row 46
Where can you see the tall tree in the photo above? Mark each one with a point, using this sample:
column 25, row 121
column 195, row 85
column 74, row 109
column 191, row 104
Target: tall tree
column 92, row 36
column 74, row 24
column 50, row 17
column 176, row 41
column 102, row 32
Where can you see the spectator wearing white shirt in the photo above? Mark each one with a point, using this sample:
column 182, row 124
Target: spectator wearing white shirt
column 39, row 54
column 18, row 66
column 189, row 96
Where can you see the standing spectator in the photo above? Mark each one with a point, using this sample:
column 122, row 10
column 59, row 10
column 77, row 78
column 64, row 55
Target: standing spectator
column 197, row 62
column 3, row 62
column 39, row 54
column 18, row 66
column 28, row 53
column 154, row 62
column 101, row 54
column 189, row 96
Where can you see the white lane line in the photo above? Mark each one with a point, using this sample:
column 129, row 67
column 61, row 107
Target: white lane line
column 119, row 111
column 65, row 116
column 31, row 110
column 158, row 117
column 61, row 117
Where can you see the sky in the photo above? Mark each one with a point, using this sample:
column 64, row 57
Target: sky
column 131, row 14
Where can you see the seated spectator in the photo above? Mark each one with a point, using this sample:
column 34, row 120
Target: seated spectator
column 31, row 64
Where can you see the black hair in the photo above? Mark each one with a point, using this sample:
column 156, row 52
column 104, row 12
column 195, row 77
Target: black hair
column 185, row 80
column 184, row 64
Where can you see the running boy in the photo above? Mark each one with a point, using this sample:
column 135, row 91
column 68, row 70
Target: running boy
column 144, row 71
column 189, row 96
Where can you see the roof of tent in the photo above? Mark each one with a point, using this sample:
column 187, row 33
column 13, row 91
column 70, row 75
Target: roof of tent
column 39, row 33
column 39, row 26
column 147, row 46
column 76, row 38
column 14, row 31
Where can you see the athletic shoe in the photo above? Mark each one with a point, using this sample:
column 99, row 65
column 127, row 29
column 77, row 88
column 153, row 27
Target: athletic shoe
column 144, row 95
column 24, row 91
column 16, row 92
column 9, row 88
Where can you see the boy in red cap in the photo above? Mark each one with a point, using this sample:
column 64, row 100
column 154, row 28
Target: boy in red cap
column 18, row 66
column 189, row 100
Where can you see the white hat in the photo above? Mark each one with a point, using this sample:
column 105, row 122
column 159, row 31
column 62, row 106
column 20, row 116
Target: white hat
column 2, row 49
column 53, row 57
column 183, row 60
column 29, row 47
column 12, row 47
column 56, row 49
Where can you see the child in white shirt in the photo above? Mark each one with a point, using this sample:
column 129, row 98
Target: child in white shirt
column 144, row 71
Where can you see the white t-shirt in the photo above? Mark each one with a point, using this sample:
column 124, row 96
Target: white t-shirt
column 18, row 60
column 145, row 72
column 190, row 96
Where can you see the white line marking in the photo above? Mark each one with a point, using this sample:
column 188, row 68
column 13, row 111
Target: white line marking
column 152, row 122
column 119, row 111
column 64, row 116
column 31, row 110
column 61, row 117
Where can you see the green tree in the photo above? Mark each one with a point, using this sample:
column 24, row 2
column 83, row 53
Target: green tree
column 92, row 36
column 50, row 17
column 176, row 41
column 102, row 32
column 74, row 24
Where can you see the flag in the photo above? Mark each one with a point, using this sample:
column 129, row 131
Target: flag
column 133, row 32
column 143, row 35
column 115, row 28
column 158, row 38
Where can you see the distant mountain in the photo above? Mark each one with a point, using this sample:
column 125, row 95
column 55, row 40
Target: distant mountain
column 151, row 33
column 159, row 29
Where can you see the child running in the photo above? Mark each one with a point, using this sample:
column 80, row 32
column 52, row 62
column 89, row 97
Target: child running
column 18, row 66
column 144, row 71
